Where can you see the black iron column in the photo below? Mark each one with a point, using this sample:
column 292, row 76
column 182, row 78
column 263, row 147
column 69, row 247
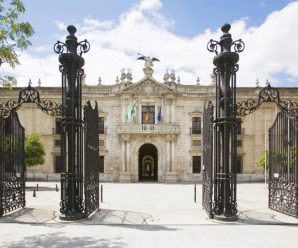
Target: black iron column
column 225, row 205
column 72, row 199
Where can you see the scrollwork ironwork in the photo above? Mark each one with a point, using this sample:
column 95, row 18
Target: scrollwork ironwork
column 283, row 153
column 283, row 196
column 267, row 94
column 31, row 95
column 60, row 47
column 234, row 68
column 71, row 45
column 238, row 46
column 83, row 47
column 212, row 46
column 80, row 72
column 68, row 206
column 12, row 167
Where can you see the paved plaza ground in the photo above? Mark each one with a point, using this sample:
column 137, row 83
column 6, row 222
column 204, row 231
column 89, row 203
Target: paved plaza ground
column 148, row 215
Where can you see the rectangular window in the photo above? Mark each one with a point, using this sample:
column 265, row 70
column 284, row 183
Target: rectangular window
column 196, row 164
column 58, row 164
column 58, row 143
column 148, row 114
column 239, row 131
column 58, row 129
column 101, row 164
column 196, row 125
column 239, row 166
column 101, row 125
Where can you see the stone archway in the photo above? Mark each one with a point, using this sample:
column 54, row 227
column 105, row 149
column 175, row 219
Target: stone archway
column 148, row 163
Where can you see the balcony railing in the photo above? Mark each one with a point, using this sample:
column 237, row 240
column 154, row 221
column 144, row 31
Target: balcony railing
column 165, row 128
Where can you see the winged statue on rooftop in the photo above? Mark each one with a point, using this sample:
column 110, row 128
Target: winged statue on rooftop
column 148, row 60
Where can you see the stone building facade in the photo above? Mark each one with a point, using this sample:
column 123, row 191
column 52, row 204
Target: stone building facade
column 151, row 130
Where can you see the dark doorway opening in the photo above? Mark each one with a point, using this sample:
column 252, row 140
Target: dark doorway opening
column 148, row 167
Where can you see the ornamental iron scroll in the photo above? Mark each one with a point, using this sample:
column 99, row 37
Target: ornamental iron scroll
column 213, row 46
column 226, row 43
column 31, row 95
column 12, row 164
column 69, row 46
column 283, row 165
column 267, row 94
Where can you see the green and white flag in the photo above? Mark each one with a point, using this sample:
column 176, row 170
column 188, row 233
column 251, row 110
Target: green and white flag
column 130, row 112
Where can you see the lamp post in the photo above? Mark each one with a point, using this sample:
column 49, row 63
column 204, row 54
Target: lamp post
column 225, row 205
column 71, row 63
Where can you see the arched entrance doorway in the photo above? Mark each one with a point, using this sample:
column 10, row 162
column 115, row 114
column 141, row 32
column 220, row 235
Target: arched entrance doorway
column 148, row 166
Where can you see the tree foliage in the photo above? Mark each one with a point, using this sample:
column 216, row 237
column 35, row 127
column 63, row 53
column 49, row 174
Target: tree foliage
column 34, row 150
column 288, row 157
column 14, row 35
column 263, row 160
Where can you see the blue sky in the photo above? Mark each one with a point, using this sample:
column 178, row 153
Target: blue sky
column 175, row 31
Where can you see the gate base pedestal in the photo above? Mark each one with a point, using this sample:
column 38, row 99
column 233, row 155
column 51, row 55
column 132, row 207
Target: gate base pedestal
column 171, row 177
column 73, row 217
column 225, row 218
column 125, row 177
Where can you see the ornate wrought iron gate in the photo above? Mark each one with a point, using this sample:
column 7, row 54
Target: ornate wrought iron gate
column 283, row 165
column 91, row 171
column 12, row 166
column 12, row 135
column 207, row 188
column 283, row 160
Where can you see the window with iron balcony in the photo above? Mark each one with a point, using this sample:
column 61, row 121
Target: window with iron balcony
column 148, row 114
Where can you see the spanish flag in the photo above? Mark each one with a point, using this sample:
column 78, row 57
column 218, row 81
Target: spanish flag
column 147, row 116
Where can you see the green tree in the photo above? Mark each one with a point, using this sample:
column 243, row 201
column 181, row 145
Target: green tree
column 34, row 150
column 14, row 36
column 263, row 160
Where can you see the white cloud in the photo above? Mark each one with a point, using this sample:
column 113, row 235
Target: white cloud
column 270, row 48
column 60, row 25
column 115, row 43
column 150, row 5
column 91, row 24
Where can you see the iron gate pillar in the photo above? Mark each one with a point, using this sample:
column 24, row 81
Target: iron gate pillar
column 72, row 199
column 225, row 204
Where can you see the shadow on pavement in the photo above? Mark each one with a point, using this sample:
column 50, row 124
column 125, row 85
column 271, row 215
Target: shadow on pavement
column 255, row 217
column 29, row 215
column 57, row 240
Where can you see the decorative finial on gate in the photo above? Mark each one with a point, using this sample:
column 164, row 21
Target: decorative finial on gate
column 226, row 43
column 71, row 44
